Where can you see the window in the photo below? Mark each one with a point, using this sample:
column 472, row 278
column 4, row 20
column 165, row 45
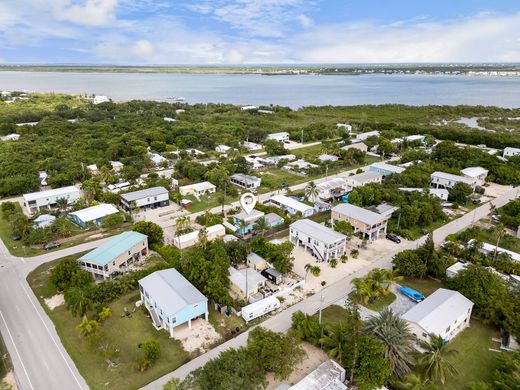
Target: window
column 424, row 334
column 448, row 329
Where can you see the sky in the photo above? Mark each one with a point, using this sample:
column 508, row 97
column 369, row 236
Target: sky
column 220, row 32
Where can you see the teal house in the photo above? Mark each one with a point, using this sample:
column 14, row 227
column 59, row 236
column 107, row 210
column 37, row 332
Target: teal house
column 246, row 222
column 115, row 256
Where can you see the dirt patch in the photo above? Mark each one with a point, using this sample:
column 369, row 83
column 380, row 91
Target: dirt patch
column 55, row 301
column 314, row 358
column 200, row 337
column 10, row 380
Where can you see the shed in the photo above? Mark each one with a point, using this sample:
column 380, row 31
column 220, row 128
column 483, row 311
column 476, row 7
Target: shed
column 273, row 275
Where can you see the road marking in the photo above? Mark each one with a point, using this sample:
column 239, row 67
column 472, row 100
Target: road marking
column 45, row 364
column 16, row 349
column 17, row 308
column 52, row 338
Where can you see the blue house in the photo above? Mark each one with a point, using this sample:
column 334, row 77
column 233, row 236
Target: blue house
column 273, row 220
column 249, row 219
column 94, row 214
column 385, row 169
column 171, row 299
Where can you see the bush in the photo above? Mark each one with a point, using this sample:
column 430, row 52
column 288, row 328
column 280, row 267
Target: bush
column 8, row 209
column 152, row 230
column 354, row 253
column 151, row 350
column 111, row 221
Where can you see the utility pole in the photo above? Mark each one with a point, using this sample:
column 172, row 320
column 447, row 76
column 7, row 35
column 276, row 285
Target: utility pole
column 319, row 321
column 302, row 136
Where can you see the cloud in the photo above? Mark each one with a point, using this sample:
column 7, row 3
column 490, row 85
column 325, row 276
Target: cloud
column 305, row 21
column 479, row 38
column 90, row 13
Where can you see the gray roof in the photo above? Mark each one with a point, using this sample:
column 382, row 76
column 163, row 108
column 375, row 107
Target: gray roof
column 366, row 216
column 238, row 278
column 171, row 291
column 365, row 176
column 317, row 231
column 252, row 216
column 253, row 258
column 135, row 195
column 273, row 218
column 439, row 310
column 452, row 177
column 246, row 178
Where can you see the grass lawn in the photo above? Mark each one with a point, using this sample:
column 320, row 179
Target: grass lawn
column 123, row 332
column 425, row 286
column 5, row 365
column 378, row 305
column 333, row 314
column 224, row 325
column 507, row 242
column 474, row 361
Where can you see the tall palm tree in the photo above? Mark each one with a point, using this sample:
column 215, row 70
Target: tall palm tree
column 363, row 289
column 434, row 361
column 335, row 342
column 307, row 268
column 242, row 226
column 62, row 204
column 261, row 226
column 394, row 333
column 415, row 382
column 390, row 278
column 311, row 191
column 500, row 231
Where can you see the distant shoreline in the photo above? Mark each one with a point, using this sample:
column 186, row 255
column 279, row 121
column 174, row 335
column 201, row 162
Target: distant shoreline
column 273, row 70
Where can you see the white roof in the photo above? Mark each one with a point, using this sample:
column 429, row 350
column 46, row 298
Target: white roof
column 511, row 150
column 439, row 310
column 365, row 176
column 455, row 178
column 331, row 184
column 388, row 167
column 276, row 135
column 458, row 266
column 238, row 278
column 415, row 137
column 291, row 203
column 474, row 171
column 202, row 186
column 360, row 146
column 92, row 167
column 439, row 191
column 50, row 193
column 317, row 231
column 116, row 164
column 359, row 213
column 364, row 136
column 95, row 212
column 327, row 157
column 171, row 291
column 327, row 376
column 194, row 235
column 491, row 248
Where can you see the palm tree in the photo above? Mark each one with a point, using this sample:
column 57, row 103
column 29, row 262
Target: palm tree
column 203, row 237
column 242, row 226
column 434, row 361
column 311, row 191
column 390, row 278
column 316, row 271
column 62, row 204
column 335, row 342
column 415, row 382
column 261, row 226
column 500, row 231
column 86, row 327
column 307, row 268
column 394, row 333
column 363, row 289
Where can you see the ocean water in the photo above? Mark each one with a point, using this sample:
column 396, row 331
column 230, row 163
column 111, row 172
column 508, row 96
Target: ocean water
column 286, row 90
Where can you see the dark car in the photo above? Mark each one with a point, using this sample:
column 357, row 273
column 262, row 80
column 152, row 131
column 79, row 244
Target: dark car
column 16, row 237
column 51, row 245
column 425, row 232
column 393, row 237
column 476, row 201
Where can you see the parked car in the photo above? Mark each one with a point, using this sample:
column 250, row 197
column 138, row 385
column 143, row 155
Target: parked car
column 495, row 217
column 393, row 237
column 476, row 201
column 425, row 232
column 16, row 237
column 51, row 245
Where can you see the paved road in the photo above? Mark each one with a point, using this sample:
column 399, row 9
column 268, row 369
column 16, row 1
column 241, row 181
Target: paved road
column 40, row 360
column 282, row 322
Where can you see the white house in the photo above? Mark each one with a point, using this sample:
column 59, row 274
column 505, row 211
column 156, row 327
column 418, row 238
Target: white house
column 245, row 282
column 222, row 148
column 274, row 160
column 328, row 157
column 168, row 119
column 489, row 250
column 478, row 174
column 255, row 163
column 301, row 164
column 100, row 99
column 45, row 200
column 251, row 145
column 328, row 376
column 10, row 137
column 345, row 126
column 157, row 159
column 415, row 138
column 117, row 166
column 291, row 206
column 93, row 169
column 364, row 178
column 246, row 181
column 149, row 198
column 444, row 313
column 511, row 152
column 94, row 214
column 440, row 193
column 318, row 240
column 454, row 269
column 448, row 180
column 363, row 136
column 332, row 189
column 190, row 239
column 361, row 146
column 280, row 137
column 248, row 108
column 198, row 189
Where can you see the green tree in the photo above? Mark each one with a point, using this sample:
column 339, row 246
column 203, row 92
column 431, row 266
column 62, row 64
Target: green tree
column 311, row 191
column 62, row 204
column 111, row 221
column 20, row 224
column 261, row 226
column 372, row 369
column 274, row 352
column 274, row 148
column 409, row 263
column 306, row 327
column 335, row 341
column 459, row 193
column 175, row 384
column 203, row 237
column 152, row 230
column 398, row 341
column 104, row 314
column 435, row 360
column 78, row 300
column 344, row 227
column 416, row 382
column 151, row 350
column 231, row 370
column 87, row 327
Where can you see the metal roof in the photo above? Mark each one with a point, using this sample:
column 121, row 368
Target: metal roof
column 291, row 203
column 331, row 184
column 135, row 195
column 255, row 259
column 113, row 248
column 474, row 172
column 455, row 178
column 365, row 176
column 171, row 291
column 95, row 212
column 252, row 216
column 366, row 216
column 439, row 310
column 317, row 231
column 388, row 167
column 238, row 278
column 272, row 218
column 50, row 193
